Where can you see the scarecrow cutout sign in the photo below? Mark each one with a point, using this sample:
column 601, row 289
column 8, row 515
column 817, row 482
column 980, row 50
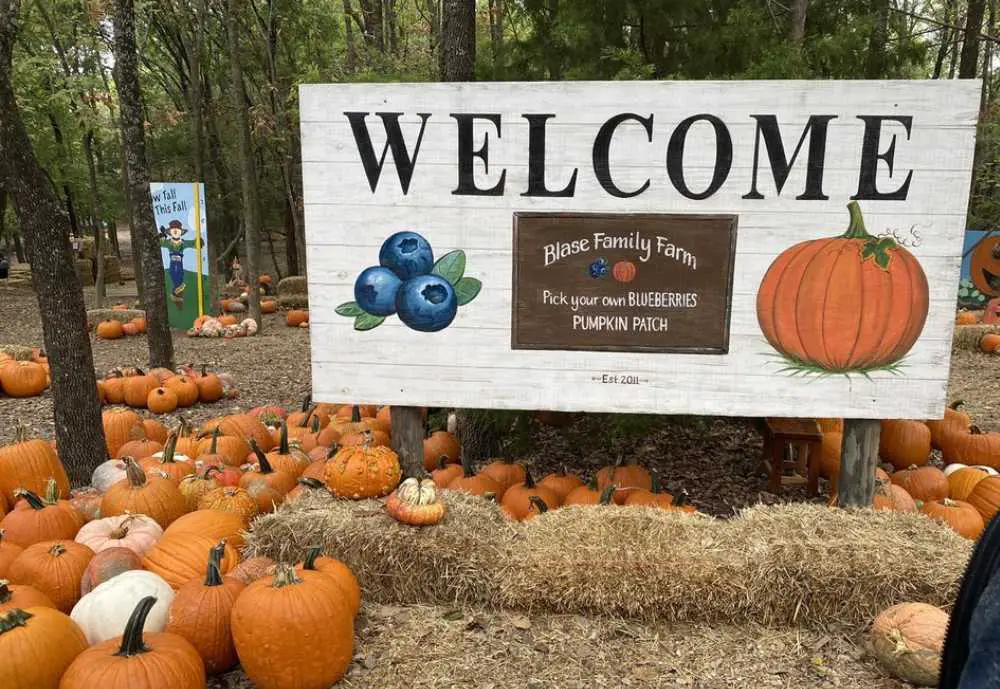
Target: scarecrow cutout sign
column 179, row 212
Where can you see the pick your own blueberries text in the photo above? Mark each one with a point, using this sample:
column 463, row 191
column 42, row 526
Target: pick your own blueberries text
column 878, row 149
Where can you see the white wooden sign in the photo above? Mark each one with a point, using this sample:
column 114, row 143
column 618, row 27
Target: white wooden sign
column 733, row 248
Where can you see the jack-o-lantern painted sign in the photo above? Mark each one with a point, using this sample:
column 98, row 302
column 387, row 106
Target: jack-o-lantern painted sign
column 984, row 266
column 538, row 246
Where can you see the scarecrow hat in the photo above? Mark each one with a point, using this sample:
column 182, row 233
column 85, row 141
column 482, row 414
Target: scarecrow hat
column 177, row 225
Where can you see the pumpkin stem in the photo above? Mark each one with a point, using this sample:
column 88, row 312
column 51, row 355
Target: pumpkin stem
column 306, row 401
column 57, row 549
column 956, row 404
column 310, row 482
column 31, row 498
column 204, row 371
column 681, row 499
column 132, row 642
column 538, row 503
column 136, row 476
column 655, row 486
column 606, row 495
column 334, row 448
column 310, row 561
column 528, row 481
column 213, row 572
column 215, row 441
column 315, row 425
column 310, row 413
column 442, row 461
column 169, row 448
column 20, row 433
column 263, row 464
column 355, row 414
column 857, row 229
column 284, row 575
column 5, row 592
column 592, row 485
column 120, row 531
column 975, row 430
column 13, row 619
column 283, row 439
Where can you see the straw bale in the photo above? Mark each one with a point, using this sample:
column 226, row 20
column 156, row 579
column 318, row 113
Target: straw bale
column 95, row 316
column 17, row 352
column 968, row 336
column 85, row 271
column 454, row 562
column 294, row 301
column 293, row 284
column 803, row 565
column 112, row 269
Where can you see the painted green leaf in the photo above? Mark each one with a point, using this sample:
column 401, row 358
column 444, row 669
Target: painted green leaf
column 467, row 289
column 451, row 266
column 350, row 309
column 366, row 321
column 877, row 249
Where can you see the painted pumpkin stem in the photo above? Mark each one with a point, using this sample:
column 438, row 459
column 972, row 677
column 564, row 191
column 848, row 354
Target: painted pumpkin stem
column 264, row 465
column 213, row 572
column 538, row 503
column 132, row 642
column 310, row 561
column 32, row 499
column 284, row 575
column 136, row 476
column 857, row 229
column 606, row 495
column 14, row 619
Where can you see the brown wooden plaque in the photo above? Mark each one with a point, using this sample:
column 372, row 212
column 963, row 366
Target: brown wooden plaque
column 623, row 282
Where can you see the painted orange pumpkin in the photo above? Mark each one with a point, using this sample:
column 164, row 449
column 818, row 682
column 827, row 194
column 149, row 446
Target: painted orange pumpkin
column 623, row 271
column 984, row 266
column 854, row 302
column 991, row 316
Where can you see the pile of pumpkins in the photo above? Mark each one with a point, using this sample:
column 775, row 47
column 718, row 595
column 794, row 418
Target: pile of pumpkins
column 24, row 378
column 964, row 494
column 222, row 326
column 113, row 329
column 161, row 390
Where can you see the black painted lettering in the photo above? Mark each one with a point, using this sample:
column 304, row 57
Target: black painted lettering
column 536, row 160
column 394, row 141
column 870, row 157
column 723, row 156
column 602, row 149
column 816, row 129
column 467, row 156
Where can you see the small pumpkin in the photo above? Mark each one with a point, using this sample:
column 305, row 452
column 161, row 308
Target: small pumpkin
column 36, row 519
column 168, row 462
column 296, row 317
column 925, row 483
column 441, row 444
column 138, row 445
column 908, row 639
column 138, row 659
column 137, row 389
column 161, row 401
column 363, row 472
column 289, row 459
column 267, row 485
column 961, row 517
column 209, row 386
column 445, row 473
column 277, row 617
column 650, row 498
column 110, row 329
column 54, row 568
column 153, row 496
column 222, row 449
column 890, row 497
column 87, row 502
column 107, row 474
column 476, row 484
column 215, row 524
column 33, row 633
column 904, row 443
column 416, row 502
column 130, row 329
column 193, row 486
column 230, row 499
column 201, row 613
column 118, row 423
column 106, row 565
column 506, row 474
column 517, row 500
column 561, row 483
column 965, row 317
column 29, row 464
column 990, row 344
column 590, row 494
column 624, row 477
column 184, row 389
column 22, row 596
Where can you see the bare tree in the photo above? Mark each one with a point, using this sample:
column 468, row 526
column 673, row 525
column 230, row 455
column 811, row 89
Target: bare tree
column 79, row 432
column 144, row 233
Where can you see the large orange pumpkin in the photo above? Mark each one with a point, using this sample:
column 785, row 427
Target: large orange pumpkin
column 962, row 517
column 625, row 478
column 55, row 568
column 23, row 379
column 441, row 444
column 973, row 447
column 156, row 497
column 904, row 443
column 984, row 266
column 985, row 497
column 215, row 524
column 854, row 302
column 29, row 464
column 363, row 472
column 179, row 558
column 922, row 483
column 118, row 423
column 954, row 420
column 35, row 519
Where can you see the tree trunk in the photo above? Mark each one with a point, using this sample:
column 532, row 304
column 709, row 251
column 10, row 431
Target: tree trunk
column 953, row 64
column 145, row 241
column 496, row 9
column 876, row 68
column 434, row 23
column 858, row 461
column 291, row 250
column 79, row 431
column 408, row 439
column 371, row 12
column 391, row 30
column 248, row 174
column 197, row 131
column 797, row 30
column 458, row 40
column 22, row 257
column 351, row 60
column 945, row 35
column 95, row 220
column 969, row 65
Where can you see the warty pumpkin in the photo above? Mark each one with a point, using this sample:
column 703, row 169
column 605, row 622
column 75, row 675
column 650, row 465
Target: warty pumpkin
column 33, row 633
column 29, row 464
column 215, row 524
column 193, row 486
column 201, row 613
column 35, row 519
column 416, row 502
column 106, row 565
column 138, row 660
column 54, row 568
column 363, row 472
column 178, row 558
column 961, row 517
column 517, row 500
column 22, row 596
column 904, row 443
column 230, row 499
column 274, row 626
column 137, row 532
column 153, row 496
column 925, row 483
column 624, row 477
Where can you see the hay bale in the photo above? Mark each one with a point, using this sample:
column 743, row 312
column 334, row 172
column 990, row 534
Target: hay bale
column 112, row 269
column 969, row 336
column 85, row 271
column 86, row 247
column 455, row 562
column 294, row 301
column 95, row 316
column 18, row 352
column 293, row 284
column 804, row 565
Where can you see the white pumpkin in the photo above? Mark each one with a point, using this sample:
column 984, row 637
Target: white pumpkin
column 137, row 532
column 107, row 474
column 103, row 613
column 955, row 466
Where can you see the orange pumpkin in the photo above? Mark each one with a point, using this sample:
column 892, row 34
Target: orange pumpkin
column 29, row 464
column 35, row 519
column 140, row 323
column 890, row 497
column 184, row 388
column 527, row 500
column 230, row 499
column 441, row 444
column 922, row 483
column 247, row 427
column 904, row 443
column 506, row 474
column 55, row 568
column 215, row 524
column 590, row 495
column 130, row 329
column 137, row 389
column 157, row 498
column 623, row 271
column 161, row 401
column 625, row 478
column 363, row 472
column 961, row 482
column 8, row 553
column 867, row 301
column 338, row 571
column 166, row 462
column 179, row 558
column 962, row 517
column 267, row 485
column 23, row 379
column 561, row 482
column 984, row 266
column 23, row 596
column 972, row 447
column 989, row 344
column 476, row 484
column 209, row 386
column 110, row 329
column 138, row 446
column 965, row 317
column 114, row 390
column 268, row 306
column 296, row 317
column 985, row 497
column 954, row 420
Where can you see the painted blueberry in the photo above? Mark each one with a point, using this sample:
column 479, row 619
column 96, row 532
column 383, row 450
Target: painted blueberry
column 376, row 289
column 599, row 268
column 427, row 303
column 407, row 254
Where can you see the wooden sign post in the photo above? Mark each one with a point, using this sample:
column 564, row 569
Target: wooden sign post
column 719, row 248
